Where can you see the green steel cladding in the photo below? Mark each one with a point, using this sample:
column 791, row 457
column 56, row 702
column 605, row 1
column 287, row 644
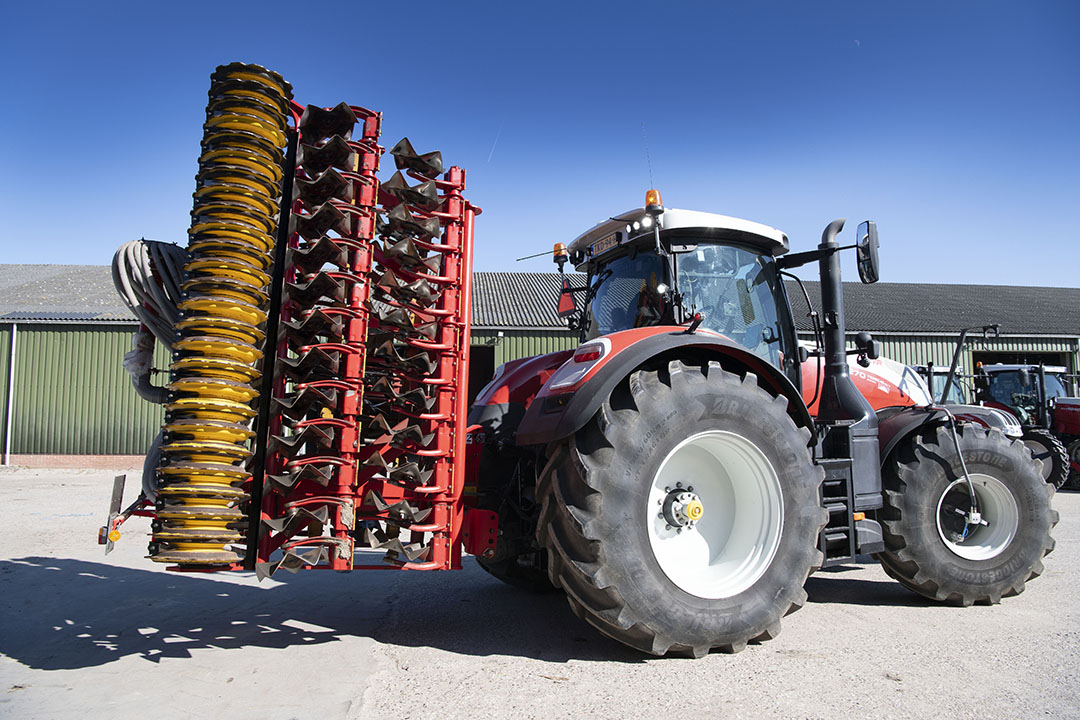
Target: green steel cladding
column 72, row 395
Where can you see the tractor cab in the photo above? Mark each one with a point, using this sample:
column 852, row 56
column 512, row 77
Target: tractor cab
column 1027, row 391
column 670, row 267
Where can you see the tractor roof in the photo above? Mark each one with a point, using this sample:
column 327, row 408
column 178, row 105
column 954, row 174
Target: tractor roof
column 763, row 238
column 1006, row 367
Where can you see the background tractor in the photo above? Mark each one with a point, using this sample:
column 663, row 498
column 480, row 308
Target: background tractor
column 667, row 474
column 1039, row 397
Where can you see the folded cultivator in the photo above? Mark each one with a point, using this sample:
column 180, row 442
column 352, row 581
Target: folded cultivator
column 318, row 384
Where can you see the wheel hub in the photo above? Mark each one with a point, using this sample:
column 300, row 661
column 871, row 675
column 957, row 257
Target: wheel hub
column 977, row 528
column 682, row 508
column 722, row 552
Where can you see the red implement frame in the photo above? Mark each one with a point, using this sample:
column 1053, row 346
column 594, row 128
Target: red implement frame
column 317, row 504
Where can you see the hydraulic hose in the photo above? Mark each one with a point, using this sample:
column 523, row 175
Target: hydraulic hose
column 216, row 330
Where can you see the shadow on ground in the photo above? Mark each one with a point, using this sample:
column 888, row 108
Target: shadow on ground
column 58, row 613
column 848, row 585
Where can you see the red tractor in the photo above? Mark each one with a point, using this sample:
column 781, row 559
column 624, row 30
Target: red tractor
column 1037, row 396
column 670, row 478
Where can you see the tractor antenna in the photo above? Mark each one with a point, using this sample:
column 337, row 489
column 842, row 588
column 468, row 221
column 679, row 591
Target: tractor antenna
column 648, row 157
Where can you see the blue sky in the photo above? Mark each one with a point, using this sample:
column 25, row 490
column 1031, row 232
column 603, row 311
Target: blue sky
column 954, row 125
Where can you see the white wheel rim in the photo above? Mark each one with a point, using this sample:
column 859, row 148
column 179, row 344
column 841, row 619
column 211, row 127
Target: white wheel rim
column 996, row 505
column 1041, row 454
column 734, row 542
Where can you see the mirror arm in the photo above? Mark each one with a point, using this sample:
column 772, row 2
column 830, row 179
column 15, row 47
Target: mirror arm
column 794, row 260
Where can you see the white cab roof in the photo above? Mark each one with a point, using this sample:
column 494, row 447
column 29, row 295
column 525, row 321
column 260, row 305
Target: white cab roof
column 723, row 227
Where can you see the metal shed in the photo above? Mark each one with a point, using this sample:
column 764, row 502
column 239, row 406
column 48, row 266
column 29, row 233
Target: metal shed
column 67, row 331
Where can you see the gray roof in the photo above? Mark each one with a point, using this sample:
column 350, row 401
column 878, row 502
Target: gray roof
column 85, row 293
column 925, row 308
column 60, row 293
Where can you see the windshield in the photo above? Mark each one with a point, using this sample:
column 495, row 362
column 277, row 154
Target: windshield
column 1054, row 387
column 737, row 292
column 626, row 295
column 956, row 393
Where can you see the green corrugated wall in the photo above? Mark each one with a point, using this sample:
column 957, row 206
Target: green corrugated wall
column 516, row 344
column 72, row 395
column 920, row 349
column 5, row 368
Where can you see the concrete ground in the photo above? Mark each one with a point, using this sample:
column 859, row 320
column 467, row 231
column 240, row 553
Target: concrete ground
column 84, row 635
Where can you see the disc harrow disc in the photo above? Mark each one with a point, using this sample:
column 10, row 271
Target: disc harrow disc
column 328, row 186
column 400, row 223
column 406, row 158
column 335, row 152
column 317, row 123
column 424, row 195
column 313, row 256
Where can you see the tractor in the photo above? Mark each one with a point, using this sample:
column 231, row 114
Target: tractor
column 667, row 474
column 1037, row 396
column 669, row 477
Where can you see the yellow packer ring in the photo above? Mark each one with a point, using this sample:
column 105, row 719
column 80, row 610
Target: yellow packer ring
column 245, row 158
column 209, row 431
column 223, row 268
column 183, row 490
column 220, row 327
column 248, row 124
column 229, row 249
column 226, row 289
column 217, row 535
column 240, row 141
column 210, row 212
column 251, row 91
column 197, row 557
column 214, row 387
column 198, row 408
column 233, row 177
column 211, row 306
column 210, row 452
column 254, row 201
column 253, row 73
column 219, row 347
column 246, row 107
column 258, row 240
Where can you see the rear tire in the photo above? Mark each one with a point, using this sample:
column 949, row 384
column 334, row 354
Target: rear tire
column 739, row 568
column 1050, row 453
column 930, row 548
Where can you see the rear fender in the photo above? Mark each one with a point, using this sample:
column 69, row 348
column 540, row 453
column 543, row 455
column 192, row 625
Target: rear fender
column 573, row 394
column 502, row 402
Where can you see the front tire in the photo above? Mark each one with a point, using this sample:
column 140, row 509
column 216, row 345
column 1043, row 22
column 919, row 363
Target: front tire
column 1050, row 453
column 931, row 545
column 617, row 521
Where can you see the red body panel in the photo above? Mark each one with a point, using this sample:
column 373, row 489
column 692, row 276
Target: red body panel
column 1067, row 416
column 518, row 381
column 885, row 383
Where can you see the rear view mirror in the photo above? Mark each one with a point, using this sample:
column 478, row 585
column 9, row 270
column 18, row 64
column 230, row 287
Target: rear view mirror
column 866, row 249
column 1025, row 377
